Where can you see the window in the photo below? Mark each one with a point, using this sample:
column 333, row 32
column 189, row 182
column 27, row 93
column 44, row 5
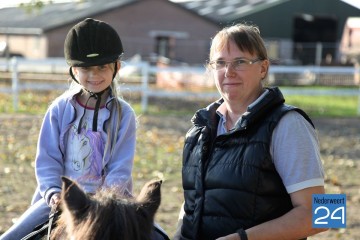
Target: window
column 162, row 46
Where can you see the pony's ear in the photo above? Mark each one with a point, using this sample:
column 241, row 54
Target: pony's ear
column 73, row 197
column 150, row 196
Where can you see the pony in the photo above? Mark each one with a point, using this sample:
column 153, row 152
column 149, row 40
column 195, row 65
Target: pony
column 106, row 215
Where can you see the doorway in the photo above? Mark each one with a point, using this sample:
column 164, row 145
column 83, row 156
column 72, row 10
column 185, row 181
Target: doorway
column 310, row 32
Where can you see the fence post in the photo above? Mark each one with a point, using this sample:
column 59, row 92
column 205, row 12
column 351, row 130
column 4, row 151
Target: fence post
column 318, row 59
column 15, row 83
column 318, row 54
column 144, row 86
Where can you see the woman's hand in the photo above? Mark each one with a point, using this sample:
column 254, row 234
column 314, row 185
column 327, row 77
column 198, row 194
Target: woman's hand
column 233, row 236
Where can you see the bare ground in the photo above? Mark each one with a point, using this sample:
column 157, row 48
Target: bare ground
column 340, row 150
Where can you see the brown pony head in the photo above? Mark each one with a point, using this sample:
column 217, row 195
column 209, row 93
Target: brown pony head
column 106, row 215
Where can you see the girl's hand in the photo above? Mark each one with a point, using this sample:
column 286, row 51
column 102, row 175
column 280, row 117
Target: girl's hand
column 55, row 200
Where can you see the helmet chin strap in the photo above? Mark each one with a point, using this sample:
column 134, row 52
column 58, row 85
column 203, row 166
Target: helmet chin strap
column 97, row 97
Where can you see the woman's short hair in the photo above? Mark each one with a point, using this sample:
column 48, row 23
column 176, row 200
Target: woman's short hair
column 246, row 37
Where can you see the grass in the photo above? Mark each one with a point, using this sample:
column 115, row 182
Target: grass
column 315, row 106
column 29, row 102
column 325, row 106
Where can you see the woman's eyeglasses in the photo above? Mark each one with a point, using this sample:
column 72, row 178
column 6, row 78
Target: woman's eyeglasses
column 237, row 64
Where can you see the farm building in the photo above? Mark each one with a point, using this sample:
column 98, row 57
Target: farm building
column 293, row 29
column 149, row 28
column 350, row 41
column 296, row 31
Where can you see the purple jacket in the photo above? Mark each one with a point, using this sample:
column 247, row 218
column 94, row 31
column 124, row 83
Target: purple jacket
column 49, row 162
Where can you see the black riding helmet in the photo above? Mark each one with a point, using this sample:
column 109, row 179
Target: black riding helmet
column 91, row 43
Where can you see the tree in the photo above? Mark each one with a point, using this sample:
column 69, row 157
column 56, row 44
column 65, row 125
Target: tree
column 38, row 5
column 34, row 5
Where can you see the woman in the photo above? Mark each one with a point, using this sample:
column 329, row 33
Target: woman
column 250, row 162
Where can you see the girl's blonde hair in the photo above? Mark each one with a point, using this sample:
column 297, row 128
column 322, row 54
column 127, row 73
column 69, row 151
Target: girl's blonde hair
column 115, row 118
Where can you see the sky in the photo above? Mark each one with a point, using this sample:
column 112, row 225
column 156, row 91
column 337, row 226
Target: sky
column 355, row 3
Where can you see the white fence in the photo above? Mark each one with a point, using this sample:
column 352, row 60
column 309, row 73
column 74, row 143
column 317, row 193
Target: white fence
column 304, row 75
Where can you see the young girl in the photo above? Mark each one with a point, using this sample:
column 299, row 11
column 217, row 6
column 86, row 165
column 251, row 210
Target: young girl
column 88, row 133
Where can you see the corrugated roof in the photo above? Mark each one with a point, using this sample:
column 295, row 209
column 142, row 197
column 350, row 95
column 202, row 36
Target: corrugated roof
column 16, row 20
column 222, row 11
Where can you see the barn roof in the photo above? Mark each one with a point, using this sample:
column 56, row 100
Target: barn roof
column 223, row 11
column 16, row 20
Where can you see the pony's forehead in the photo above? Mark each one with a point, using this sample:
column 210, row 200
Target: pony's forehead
column 105, row 206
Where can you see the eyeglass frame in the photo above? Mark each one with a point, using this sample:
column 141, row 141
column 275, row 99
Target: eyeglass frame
column 246, row 62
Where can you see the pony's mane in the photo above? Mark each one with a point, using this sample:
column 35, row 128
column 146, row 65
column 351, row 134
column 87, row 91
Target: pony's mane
column 106, row 215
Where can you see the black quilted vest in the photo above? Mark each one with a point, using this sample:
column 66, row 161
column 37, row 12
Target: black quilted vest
column 230, row 181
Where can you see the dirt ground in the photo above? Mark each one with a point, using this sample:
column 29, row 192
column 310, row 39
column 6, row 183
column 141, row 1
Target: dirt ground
column 340, row 150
